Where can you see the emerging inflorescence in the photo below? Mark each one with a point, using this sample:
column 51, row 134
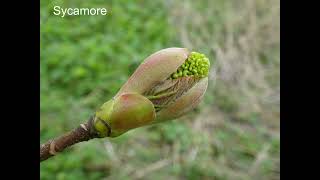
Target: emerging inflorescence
column 197, row 65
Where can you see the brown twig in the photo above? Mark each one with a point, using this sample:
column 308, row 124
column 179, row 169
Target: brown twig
column 80, row 134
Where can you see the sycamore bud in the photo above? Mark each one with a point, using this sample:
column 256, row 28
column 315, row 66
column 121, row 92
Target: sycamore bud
column 167, row 85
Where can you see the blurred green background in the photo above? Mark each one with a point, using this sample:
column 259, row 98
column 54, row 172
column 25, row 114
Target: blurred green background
column 233, row 134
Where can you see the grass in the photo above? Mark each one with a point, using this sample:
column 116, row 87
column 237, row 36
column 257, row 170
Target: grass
column 233, row 134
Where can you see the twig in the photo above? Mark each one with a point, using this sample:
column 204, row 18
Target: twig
column 52, row 147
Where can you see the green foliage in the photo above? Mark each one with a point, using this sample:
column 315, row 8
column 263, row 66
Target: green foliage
column 80, row 54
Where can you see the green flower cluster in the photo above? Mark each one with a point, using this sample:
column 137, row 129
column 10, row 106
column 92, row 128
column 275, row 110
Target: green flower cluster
column 197, row 65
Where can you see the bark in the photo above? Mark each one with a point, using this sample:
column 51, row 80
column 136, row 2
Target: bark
column 80, row 134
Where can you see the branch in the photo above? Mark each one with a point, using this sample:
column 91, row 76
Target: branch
column 52, row 147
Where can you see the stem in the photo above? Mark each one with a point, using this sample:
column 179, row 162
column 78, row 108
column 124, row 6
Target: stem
column 52, row 147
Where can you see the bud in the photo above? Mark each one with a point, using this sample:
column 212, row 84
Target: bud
column 167, row 85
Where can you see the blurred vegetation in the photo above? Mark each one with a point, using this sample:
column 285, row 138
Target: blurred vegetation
column 233, row 134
